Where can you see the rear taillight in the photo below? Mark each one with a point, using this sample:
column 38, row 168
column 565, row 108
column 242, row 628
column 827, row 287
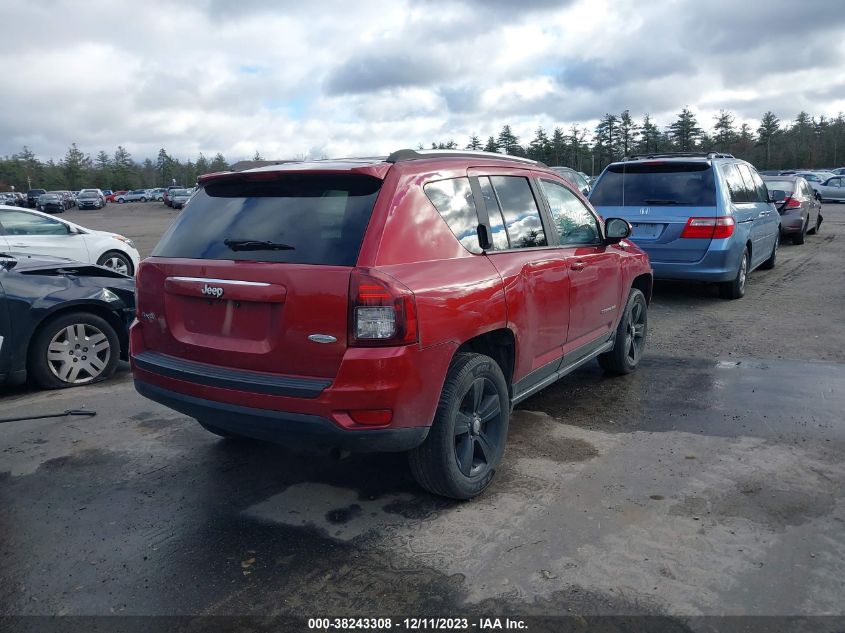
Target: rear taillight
column 792, row 203
column 382, row 311
column 709, row 228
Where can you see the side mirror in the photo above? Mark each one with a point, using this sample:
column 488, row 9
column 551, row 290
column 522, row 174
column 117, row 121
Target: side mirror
column 616, row 230
column 777, row 196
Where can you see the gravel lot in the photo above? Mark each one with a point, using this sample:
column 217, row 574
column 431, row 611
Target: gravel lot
column 708, row 482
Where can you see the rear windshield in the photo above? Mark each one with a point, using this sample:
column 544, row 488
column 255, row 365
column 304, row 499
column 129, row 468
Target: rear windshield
column 783, row 185
column 305, row 218
column 649, row 184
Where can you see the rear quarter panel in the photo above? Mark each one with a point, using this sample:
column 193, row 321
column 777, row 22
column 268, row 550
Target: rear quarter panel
column 459, row 295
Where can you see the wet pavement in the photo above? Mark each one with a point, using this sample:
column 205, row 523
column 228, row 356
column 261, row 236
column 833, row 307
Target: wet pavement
column 690, row 487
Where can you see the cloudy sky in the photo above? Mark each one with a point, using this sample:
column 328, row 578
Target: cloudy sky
column 334, row 78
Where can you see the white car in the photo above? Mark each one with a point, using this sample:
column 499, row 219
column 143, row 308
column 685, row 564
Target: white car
column 27, row 231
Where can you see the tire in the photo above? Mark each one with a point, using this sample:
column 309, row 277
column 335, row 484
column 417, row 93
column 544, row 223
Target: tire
column 59, row 355
column 121, row 262
column 121, row 200
column 143, row 199
column 458, row 458
column 815, row 229
column 770, row 263
column 221, row 433
column 798, row 240
column 736, row 289
column 629, row 341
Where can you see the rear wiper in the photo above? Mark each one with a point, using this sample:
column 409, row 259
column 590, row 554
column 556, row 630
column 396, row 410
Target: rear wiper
column 257, row 245
column 660, row 201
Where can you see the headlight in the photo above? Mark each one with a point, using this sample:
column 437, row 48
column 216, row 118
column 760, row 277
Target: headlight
column 125, row 240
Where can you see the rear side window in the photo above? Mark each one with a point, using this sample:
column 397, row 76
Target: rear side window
column 760, row 186
column 736, row 185
column 304, row 218
column 494, row 215
column 455, row 204
column 522, row 217
column 754, row 194
column 670, row 183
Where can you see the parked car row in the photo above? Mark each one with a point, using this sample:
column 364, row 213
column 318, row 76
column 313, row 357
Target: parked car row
column 13, row 198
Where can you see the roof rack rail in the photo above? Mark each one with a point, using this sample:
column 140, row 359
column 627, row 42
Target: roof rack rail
column 412, row 154
column 681, row 155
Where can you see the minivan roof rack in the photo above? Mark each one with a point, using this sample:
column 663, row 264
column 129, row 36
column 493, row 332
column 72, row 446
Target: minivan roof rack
column 681, row 155
column 412, row 154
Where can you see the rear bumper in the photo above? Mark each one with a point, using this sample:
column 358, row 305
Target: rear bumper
column 281, row 427
column 720, row 263
column 791, row 223
column 407, row 381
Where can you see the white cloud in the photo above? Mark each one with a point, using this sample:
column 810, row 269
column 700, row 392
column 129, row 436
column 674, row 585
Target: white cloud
column 340, row 78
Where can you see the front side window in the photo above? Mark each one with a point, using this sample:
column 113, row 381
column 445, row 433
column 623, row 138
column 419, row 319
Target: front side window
column 573, row 221
column 454, row 202
column 20, row 223
column 522, row 217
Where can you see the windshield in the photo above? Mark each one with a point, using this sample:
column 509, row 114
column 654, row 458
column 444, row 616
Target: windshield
column 299, row 218
column 88, row 194
column 656, row 183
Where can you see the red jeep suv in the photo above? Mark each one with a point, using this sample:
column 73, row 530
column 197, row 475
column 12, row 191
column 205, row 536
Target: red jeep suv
column 398, row 304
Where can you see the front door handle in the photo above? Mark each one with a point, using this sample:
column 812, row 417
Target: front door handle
column 578, row 266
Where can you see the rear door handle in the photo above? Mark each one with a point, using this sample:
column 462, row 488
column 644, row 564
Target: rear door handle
column 578, row 266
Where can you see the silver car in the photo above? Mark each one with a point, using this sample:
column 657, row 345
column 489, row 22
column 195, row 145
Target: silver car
column 136, row 195
column 180, row 197
column 832, row 189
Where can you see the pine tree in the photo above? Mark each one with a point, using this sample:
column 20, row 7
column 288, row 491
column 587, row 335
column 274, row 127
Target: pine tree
column 685, row 131
column 257, row 156
column 768, row 130
column 202, row 166
column 124, row 168
column 649, row 136
column 540, row 147
column 492, row 145
column 474, row 143
column 723, row 131
column 607, row 138
column 508, row 141
column 558, row 147
column 74, row 165
column 628, row 132
column 218, row 163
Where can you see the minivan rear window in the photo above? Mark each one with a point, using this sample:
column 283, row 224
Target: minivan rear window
column 301, row 218
column 658, row 183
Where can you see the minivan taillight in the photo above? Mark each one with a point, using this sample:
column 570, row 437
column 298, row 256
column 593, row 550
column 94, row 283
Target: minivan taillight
column 709, row 228
column 382, row 311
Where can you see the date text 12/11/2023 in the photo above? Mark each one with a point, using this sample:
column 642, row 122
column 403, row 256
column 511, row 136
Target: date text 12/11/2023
column 416, row 624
